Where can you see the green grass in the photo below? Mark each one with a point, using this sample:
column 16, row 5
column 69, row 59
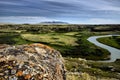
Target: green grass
column 53, row 38
column 87, row 50
column 111, row 41
column 59, row 41
column 11, row 31
column 82, row 76
column 72, row 44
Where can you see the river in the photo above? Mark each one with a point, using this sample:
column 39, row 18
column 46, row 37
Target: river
column 115, row 53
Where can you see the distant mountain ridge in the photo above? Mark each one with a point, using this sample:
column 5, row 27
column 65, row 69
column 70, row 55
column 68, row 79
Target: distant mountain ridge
column 54, row 22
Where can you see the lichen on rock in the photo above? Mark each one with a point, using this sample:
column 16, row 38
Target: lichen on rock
column 31, row 62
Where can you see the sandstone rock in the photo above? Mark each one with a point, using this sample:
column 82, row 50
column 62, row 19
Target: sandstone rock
column 31, row 62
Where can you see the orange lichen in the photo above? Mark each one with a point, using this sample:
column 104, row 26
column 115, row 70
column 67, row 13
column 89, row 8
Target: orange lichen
column 37, row 45
column 42, row 46
column 31, row 50
column 27, row 76
column 19, row 73
column 49, row 48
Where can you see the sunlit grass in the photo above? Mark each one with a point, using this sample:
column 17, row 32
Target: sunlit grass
column 11, row 31
column 53, row 38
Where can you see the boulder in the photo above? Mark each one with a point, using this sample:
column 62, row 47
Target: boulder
column 31, row 62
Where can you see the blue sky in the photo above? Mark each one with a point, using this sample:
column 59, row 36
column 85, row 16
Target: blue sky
column 71, row 11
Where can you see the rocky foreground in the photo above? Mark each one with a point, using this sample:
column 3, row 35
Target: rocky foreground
column 30, row 62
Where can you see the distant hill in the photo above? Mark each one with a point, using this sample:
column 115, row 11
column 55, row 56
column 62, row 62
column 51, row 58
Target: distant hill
column 53, row 22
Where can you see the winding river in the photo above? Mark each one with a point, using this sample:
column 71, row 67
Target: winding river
column 115, row 53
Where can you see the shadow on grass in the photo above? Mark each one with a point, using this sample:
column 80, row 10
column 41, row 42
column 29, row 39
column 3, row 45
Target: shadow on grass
column 12, row 39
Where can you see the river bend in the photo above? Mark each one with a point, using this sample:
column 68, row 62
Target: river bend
column 115, row 53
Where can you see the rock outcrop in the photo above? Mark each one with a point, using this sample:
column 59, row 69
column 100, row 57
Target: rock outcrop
column 30, row 62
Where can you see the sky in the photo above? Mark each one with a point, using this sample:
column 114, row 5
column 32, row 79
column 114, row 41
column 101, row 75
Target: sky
column 71, row 11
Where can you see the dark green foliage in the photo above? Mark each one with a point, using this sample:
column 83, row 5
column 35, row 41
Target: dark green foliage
column 12, row 39
column 87, row 50
column 113, row 41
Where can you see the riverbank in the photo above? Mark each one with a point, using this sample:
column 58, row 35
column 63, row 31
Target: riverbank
column 115, row 53
column 113, row 41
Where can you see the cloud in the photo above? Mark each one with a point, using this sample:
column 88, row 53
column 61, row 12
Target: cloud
column 62, row 9
column 102, row 21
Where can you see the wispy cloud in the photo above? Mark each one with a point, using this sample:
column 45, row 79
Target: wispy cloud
column 62, row 9
column 102, row 21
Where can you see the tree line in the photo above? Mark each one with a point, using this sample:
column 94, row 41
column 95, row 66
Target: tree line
column 60, row 28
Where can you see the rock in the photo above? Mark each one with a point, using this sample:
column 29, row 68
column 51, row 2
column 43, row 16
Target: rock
column 31, row 62
column 117, row 61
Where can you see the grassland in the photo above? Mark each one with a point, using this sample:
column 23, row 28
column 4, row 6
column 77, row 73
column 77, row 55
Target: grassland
column 113, row 41
column 60, row 41
column 53, row 38
column 72, row 44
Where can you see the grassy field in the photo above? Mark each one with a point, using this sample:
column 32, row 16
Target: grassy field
column 70, row 44
column 11, row 31
column 113, row 41
column 53, row 38
column 97, row 69
column 60, row 41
